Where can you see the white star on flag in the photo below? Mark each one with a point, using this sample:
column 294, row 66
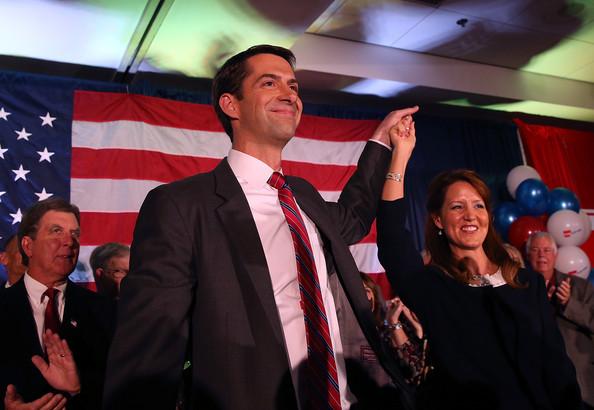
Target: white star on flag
column 20, row 173
column 2, row 193
column 23, row 134
column 47, row 120
column 2, row 151
column 43, row 194
column 45, row 155
column 4, row 114
column 16, row 217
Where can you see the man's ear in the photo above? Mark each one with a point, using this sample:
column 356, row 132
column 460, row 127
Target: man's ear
column 99, row 272
column 27, row 245
column 437, row 221
column 229, row 105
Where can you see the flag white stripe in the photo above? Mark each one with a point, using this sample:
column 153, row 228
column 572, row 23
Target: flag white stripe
column 123, row 195
column 110, row 195
column 141, row 136
column 365, row 255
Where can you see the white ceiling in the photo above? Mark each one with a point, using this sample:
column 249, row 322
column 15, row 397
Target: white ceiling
column 533, row 56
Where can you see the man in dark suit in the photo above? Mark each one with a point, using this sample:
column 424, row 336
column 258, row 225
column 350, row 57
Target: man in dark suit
column 214, row 275
column 45, row 300
column 572, row 299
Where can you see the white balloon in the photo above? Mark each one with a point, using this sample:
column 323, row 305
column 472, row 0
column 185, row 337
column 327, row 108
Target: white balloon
column 518, row 175
column 566, row 227
column 587, row 225
column 573, row 261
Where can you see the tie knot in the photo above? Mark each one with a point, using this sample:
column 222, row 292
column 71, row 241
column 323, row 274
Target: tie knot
column 51, row 293
column 277, row 180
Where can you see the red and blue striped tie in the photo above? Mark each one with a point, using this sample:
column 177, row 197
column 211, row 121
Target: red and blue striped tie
column 322, row 375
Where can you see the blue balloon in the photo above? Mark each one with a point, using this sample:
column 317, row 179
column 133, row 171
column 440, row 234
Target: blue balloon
column 562, row 198
column 532, row 196
column 504, row 215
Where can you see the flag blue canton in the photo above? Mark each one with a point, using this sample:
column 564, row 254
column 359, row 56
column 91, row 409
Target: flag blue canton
column 35, row 147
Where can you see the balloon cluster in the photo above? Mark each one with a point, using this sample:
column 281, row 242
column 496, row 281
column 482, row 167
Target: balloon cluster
column 538, row 209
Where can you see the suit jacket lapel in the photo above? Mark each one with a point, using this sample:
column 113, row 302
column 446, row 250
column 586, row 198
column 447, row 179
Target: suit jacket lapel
column 238, row 223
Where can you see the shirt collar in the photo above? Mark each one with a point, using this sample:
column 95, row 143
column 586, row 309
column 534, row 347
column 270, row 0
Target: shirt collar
column 35, row 288
column 248, row 169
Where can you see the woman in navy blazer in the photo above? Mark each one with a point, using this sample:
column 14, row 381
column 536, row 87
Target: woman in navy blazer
column 494, row 341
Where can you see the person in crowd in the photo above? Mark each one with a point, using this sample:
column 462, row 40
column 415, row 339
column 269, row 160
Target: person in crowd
column 401, row 329
column 515, row 254
column 572, row 299
column 11, row 258
column 43, row 300
column 494, row 343
column 239, row 268
column 110, row 264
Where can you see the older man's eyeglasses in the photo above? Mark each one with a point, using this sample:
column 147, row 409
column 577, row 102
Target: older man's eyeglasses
column 116, row 273
column 546, row 251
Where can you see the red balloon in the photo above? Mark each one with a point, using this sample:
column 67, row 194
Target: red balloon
column 521, row 229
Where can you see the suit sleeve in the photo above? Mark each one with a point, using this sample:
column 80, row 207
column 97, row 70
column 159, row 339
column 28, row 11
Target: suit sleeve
column 146, row 357
column 355, row 210
column 580, row 307
column 558, row 372
column 396, row 249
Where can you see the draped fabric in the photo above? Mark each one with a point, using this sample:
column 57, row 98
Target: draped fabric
column 563, row 158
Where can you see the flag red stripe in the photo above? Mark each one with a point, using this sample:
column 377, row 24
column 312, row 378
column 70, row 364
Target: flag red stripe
column 100, row 227
column 136, row 164
column 157, row 166
column 104, row 107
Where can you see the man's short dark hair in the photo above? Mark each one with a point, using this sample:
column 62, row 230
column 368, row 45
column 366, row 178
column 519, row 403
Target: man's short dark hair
column 30, row 222
column 231, row 75
column 103, row 253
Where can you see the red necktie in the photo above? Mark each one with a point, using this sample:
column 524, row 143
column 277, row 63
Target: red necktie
column 322, row 375
column 52, row 317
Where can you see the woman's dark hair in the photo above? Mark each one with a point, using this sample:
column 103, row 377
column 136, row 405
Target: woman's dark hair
column 439, row 246
column 378, row 307
column 231, row 75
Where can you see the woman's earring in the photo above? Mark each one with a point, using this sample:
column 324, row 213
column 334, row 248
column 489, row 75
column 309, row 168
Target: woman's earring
column 440, row 232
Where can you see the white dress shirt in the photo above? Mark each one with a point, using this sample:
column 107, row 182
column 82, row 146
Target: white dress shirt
column 39, row 301
column 277, row 243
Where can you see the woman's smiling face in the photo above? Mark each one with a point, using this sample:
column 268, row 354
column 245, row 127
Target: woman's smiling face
column 463, row 217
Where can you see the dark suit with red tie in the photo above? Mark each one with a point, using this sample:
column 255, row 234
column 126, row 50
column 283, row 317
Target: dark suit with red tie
column 199, row 286
column 86, row 326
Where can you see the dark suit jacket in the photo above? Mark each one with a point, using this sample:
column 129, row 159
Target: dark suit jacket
column 86, row 326
column 199, row 284
column 576, row 323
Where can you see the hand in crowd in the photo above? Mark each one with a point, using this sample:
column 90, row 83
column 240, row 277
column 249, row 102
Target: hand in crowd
column 49, row 401
column 564, row 292
column 382, row 132
column 397, row 311
column 403, row 137
column 60, row 370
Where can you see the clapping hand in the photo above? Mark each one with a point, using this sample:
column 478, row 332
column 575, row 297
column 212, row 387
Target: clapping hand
column 49, row 401
column 564, row 292
column 60, row 370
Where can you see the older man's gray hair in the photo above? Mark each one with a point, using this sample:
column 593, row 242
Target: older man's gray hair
column 541, row 235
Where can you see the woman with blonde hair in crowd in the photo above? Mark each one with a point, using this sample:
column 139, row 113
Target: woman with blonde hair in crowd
column 494, row 342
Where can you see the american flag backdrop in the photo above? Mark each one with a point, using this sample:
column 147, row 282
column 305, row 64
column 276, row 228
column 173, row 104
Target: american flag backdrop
column 106, row 150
